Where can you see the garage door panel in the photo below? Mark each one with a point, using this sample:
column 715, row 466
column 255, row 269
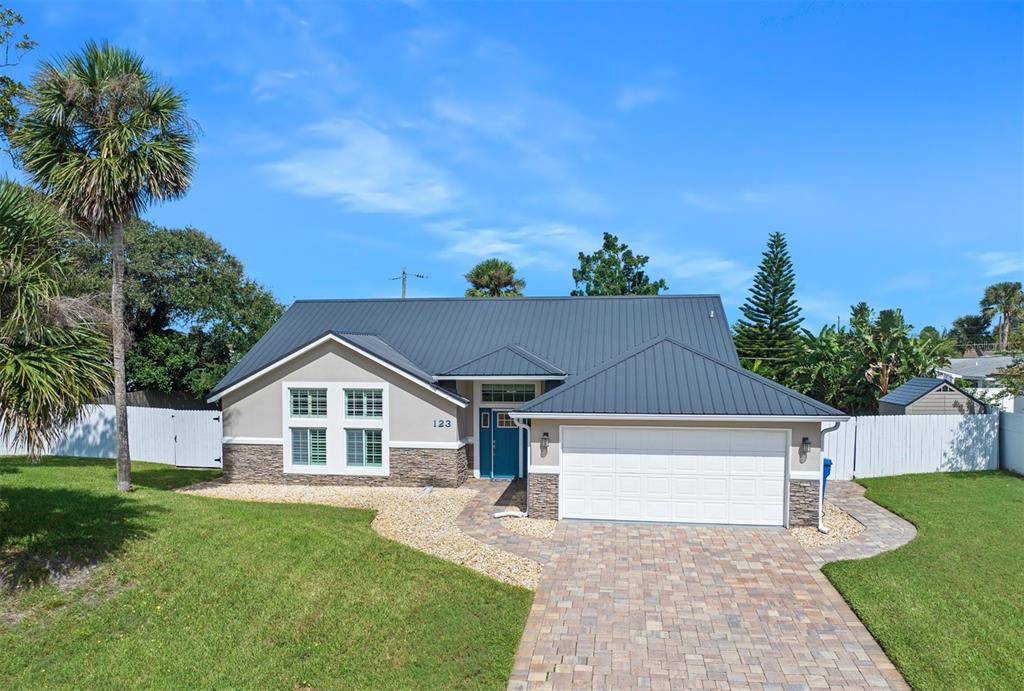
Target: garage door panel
column 698, row 441
column 717, row 476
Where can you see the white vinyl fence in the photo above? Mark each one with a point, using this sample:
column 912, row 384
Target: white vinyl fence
column 881, row 445
column 1011, row 441
column 186, row 438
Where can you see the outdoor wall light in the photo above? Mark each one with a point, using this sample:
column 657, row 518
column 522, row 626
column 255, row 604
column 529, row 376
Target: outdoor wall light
column 805, row 446
column 544, row 439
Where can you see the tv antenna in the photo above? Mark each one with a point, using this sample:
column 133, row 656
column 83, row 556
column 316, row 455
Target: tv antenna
column 405, row 279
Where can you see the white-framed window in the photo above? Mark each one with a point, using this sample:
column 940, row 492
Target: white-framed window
column 364, row 403
column 507, row 393
column 307, row 402
column 335, row 428
column 364, row 447
column 309, row 446
column 503, row 420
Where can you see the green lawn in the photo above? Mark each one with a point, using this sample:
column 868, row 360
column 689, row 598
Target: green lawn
column 948, row 607
column 197, row 592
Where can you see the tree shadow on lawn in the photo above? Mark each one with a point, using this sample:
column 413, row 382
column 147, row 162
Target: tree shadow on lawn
column 144, row 474
column 48, row 533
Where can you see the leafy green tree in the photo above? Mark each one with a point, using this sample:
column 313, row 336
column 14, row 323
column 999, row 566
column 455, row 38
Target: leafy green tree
column 13, row 45
column 852, row 368
column 105, row 140
column 770, row 328
column 614, row 270
column 830, row 369
column 971, row 332
column 1005, row 300
column 494, row 278
column 190, row 308
column 1012, row 376
column 54, row 356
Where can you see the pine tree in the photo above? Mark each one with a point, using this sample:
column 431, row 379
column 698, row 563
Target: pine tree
column 767, row 337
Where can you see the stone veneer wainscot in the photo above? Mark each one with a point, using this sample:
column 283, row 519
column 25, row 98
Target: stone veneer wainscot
column 542, row 495
column 264, row 464
column 803, row 503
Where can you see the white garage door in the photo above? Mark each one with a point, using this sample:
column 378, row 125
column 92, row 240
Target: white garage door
column 680, row 475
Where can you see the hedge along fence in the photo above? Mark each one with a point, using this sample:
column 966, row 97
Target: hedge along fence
column 882, row 445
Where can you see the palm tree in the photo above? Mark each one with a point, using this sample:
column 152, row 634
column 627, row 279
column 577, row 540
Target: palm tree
column 105, row 140
column 54, row 356
column 1007, row 300
column 494, row 278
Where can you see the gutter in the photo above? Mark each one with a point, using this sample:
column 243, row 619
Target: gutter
column 821, row 502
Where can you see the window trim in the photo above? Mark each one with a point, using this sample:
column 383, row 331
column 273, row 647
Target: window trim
column 362, row 390
column 309, row 402
column 363, row 432
column 309, row 445
column 336, row 423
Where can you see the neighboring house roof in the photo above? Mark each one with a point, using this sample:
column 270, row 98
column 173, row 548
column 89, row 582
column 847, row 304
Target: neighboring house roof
column 976, row 367
column 918, row 387
column 506, row 361
column 437, row 335
column 667, row 377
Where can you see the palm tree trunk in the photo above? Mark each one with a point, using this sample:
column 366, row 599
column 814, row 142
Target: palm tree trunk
column 124, row 466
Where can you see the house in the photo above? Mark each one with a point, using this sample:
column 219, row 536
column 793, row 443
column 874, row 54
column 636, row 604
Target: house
column 979, row 374
column 980, row 371
column 613, row 408
column 929, row 396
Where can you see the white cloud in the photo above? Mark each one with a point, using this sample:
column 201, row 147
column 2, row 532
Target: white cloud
column 997, row 263
column 632, row 97
column 701, row 271
column 552, row 246
column 365, row 169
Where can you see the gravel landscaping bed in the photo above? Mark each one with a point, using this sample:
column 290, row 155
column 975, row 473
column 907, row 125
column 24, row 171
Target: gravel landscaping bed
column 405, row 514
column 842, row 526
column 538, row 528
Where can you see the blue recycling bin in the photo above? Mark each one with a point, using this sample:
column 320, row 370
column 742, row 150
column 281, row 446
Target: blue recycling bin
column 824, row 475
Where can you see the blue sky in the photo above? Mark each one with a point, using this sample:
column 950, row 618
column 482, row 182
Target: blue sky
column 341, row 143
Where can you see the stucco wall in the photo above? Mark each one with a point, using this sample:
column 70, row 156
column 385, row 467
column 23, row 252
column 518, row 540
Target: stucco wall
column 255, row 409
column 807, row 463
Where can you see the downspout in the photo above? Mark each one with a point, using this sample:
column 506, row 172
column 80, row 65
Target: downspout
column 526, row 513
column 821, row 500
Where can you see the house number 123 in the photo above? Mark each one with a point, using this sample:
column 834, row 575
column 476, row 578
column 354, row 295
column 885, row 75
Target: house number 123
column 442, row 423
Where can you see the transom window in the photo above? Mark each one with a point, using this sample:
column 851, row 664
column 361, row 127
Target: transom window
column 507, row 393
column 363, row 448
column 309, row 402
column 309, row 446
column 364, row 403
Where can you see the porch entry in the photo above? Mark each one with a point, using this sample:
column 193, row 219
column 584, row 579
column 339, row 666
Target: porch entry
column 499, row 445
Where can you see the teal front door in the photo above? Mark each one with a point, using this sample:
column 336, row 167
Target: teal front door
column 499, row 445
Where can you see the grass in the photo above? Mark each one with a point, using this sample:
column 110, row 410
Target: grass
column 948, row 607
column 186, row 591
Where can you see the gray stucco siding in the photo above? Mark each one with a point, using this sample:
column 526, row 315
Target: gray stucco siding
column 811, row 462
column 255, row 410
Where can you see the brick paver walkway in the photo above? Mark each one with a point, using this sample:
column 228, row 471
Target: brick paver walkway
column 883, row 531
column 658, row 606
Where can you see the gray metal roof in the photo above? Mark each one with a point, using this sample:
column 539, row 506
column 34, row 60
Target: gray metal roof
column 507, row 361
column 382, row 349
column 667, row 377
column 912, row 390
column 917, row 387
column 573, row 334
column 977, row 367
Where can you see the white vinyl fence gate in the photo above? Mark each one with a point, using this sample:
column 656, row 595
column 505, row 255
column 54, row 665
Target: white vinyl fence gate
column 882, row 445
column 185, row 438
